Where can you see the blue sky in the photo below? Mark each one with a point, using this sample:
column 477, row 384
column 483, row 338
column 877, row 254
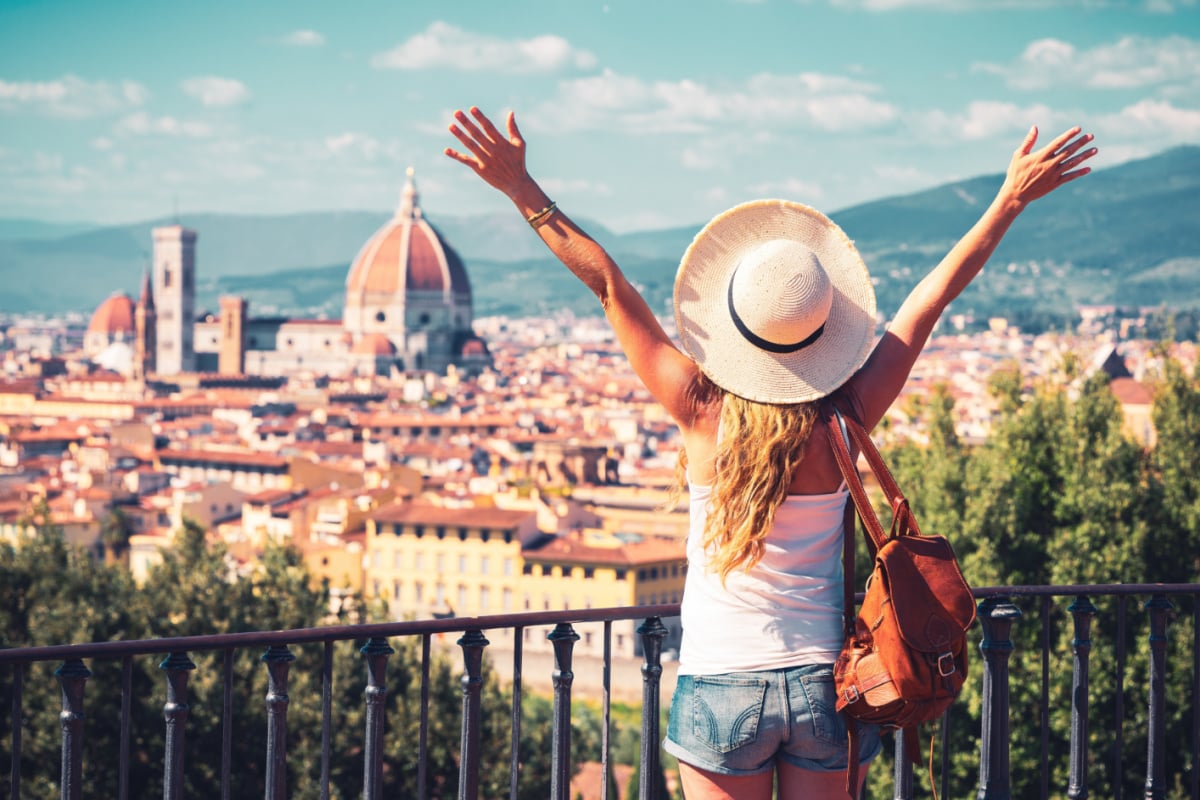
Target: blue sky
column 639, row 114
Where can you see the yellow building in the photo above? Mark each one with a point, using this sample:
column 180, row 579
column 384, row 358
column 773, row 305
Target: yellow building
column 597, row 569
column 430, row 561
column 427, row 560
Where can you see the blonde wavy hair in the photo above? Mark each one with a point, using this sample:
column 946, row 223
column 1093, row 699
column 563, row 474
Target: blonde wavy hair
column 759, row 448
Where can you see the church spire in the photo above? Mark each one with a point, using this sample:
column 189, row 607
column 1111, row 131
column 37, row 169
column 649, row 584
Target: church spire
column 408, row 198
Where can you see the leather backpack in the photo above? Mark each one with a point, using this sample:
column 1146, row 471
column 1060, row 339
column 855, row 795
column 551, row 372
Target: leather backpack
column 904, row 660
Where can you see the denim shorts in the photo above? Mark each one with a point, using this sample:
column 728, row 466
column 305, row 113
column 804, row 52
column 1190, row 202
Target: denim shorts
column 738, row 723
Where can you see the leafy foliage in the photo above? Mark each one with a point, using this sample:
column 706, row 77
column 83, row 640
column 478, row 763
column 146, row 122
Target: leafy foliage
column 1060, row 494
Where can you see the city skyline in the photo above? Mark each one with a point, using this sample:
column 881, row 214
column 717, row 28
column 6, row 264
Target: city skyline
column 637, row 116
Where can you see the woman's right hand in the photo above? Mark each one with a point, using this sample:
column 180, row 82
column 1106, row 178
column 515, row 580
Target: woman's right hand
column 1036, row 173
column 498, row 159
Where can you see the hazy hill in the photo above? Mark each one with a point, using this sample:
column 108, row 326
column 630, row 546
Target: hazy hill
column 1127, row 234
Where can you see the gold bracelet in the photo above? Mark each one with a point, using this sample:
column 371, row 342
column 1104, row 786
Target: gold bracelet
column 539, row 219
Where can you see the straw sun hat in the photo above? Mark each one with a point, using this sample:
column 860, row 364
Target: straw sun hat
column 774, row 303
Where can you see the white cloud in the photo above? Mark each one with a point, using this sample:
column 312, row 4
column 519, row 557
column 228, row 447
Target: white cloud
column 985, row 119
column 142, row 124
column 1129, row 63
column 354, row 144
column 71, row 96
column 1155, row 118
column 216, row 92
column 444, row 46
column 304, row 38
column 807, row 100
column 790, row 188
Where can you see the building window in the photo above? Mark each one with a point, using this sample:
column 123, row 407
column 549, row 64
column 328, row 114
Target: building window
column 462, row 565
column 483, row 565
column 380, row 316
column 440, row 594
column 419, row 589
column 620, row 574
column 485, row 598
column 441, row 563
column 440, row 531
column 508, row 567
column 462, row 597
column 398, row 559
column 418, row 531
column 462, row 534
column 485, row 534
column 527, row 569
column 418, row 561
column 508, row 537
column 396, row 591
column 506, row 599
column 589, row 573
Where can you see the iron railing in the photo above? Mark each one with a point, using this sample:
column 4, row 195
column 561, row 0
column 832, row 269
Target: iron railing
column 998, row 612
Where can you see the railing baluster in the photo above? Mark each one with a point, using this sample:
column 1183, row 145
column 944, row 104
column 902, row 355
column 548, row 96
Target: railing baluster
column 423, row 734
column 73, row 676
column 375, row 652
column 652, row 632
column 1156, row 762
column 227, row 724
column 278, row 659
column 606, row 709
column 514, row 775
column 1082, row 612
column 175, row 712
column 902, row 774
column 563, row 637
column 472, row 644
column 126, row 714
column 326, row 719
column 1195, row 697
column 997, row 615
column 1044, row 700
column 1119, row 744
column 14, row 778
column 944, row 737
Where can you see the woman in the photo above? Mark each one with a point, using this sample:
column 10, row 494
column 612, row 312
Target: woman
column 775, row 311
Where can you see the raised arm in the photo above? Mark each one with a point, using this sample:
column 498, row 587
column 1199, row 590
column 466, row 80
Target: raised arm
column 499, row 159
column 1031, row 174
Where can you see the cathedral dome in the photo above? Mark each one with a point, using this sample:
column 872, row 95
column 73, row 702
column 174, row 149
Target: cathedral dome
column 114, row 318
column 406, row 255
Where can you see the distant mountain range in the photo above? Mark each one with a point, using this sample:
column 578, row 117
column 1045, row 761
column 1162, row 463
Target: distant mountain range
column 1127, row 235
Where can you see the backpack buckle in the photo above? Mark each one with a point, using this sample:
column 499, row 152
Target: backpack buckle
column 851, row 694
column 945, row 664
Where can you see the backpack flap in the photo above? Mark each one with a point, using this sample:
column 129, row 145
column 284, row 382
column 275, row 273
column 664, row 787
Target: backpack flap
column 931, row 600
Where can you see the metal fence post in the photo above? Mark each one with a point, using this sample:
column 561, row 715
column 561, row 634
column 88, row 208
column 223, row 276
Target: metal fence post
column 1156, row 756
column 278, row 659
column 175, row 712
column 472, row 644
column 1082, row 611
column 652, row 632
column 563, row 637
column 72, row 675
column 902, row 772
column 375, row 653
column 997, row 615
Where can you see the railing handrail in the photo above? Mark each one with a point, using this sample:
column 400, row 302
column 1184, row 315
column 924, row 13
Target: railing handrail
column 527, row 619
column 330, row 633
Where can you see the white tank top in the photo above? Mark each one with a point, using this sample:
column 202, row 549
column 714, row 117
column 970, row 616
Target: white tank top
column 786, row 611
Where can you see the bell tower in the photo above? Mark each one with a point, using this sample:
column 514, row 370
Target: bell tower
column 174, row 299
